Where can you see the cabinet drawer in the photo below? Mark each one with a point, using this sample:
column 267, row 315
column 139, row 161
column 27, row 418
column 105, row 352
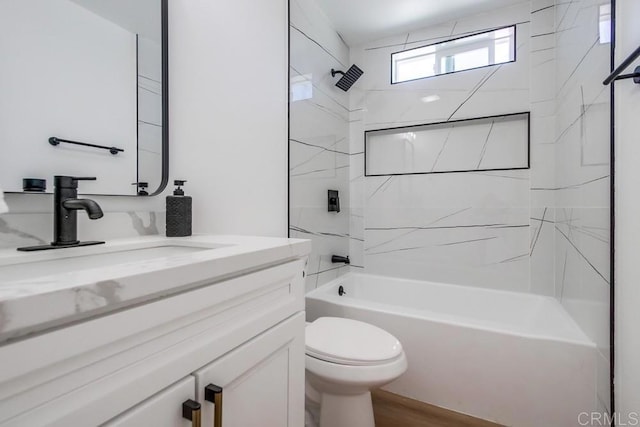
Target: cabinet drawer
column 162, row 410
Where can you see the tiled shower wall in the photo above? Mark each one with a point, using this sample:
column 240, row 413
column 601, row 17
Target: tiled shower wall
column 470, row 228
column 582, row 187
column 318, row 144
column 479, row 229
column 544, row 230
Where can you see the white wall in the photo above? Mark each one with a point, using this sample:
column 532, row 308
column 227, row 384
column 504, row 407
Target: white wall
column 228, row 109
column 627, row 107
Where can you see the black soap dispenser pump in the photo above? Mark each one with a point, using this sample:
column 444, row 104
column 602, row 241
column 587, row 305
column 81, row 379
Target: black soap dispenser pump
column 178, row 212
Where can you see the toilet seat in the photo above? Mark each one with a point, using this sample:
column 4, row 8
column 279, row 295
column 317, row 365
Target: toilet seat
column 350, row 342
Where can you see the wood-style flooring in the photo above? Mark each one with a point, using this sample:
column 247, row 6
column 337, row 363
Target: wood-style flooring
column 391, row 410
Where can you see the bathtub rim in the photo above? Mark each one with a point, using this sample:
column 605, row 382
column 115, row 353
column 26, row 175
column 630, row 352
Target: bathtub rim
column 321, row 294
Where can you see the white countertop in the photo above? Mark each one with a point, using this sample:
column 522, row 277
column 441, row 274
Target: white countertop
column 34, row 304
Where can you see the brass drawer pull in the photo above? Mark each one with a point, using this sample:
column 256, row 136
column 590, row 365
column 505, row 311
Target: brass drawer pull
column 213, row 394
column 191, row 411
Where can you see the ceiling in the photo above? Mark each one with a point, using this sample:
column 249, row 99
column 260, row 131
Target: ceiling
column 142, row 17
column 359, row 21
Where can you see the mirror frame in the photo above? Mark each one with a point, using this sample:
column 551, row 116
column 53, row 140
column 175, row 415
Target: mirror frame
column 164, row 5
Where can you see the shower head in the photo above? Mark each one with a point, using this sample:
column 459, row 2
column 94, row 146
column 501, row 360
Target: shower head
column 349, row 78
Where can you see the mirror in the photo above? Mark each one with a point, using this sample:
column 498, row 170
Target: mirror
column 83, row 92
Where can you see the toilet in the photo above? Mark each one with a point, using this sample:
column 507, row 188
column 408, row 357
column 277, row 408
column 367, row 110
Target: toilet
column 345, row 359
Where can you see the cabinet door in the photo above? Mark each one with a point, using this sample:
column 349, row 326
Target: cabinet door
column 262, row 381
column 161, row 410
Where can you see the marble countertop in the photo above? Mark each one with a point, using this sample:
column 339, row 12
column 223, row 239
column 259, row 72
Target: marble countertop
column 30, row 305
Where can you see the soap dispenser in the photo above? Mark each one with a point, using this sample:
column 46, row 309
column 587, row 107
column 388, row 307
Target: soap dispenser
column 178, row 212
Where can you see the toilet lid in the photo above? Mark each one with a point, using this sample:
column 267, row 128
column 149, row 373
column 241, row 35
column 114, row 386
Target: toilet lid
column 350, row 342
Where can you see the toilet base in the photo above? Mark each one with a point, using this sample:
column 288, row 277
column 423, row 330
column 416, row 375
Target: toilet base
column 346, row 410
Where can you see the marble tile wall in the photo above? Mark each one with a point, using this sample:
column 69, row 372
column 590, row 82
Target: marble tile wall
column 469, row 228
column 30, row 220
column 319, row 140
column 582, row 187
column 543, row 160
column 544, row 230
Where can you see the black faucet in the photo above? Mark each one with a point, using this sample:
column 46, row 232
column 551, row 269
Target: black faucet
column 65, row 216
column 65, row 207
column 338, row 259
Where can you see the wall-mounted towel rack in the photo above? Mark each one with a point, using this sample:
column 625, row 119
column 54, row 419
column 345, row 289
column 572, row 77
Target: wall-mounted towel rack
column 616, row 74
column 56, row 141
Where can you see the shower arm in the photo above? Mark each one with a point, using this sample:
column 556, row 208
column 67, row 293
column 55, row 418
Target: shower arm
column 334, row 72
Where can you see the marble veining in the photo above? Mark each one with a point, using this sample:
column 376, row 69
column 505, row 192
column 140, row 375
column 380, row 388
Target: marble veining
column 581, row 189
column 6, row 229
column 145, row 230
column 34, row 304
column 36, row 228
column 100, row 295
column 319, row 142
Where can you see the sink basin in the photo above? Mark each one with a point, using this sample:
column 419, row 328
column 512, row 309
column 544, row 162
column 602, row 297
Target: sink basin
column 86, row 258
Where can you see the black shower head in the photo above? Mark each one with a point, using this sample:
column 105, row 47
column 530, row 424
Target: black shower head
column 349, row 78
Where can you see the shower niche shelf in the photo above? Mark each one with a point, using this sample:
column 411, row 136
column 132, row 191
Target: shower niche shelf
column 480, row 144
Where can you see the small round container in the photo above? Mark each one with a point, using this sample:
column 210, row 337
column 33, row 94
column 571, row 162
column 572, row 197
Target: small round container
column 34, row 185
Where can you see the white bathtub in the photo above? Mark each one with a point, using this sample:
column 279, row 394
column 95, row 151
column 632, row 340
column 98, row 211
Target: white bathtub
column 512, row 358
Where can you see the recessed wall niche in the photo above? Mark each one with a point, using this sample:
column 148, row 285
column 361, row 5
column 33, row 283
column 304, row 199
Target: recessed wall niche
column 479, row 144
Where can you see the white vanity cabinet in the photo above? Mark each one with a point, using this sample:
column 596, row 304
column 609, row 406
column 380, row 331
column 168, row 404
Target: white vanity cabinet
column 253, row 384
column 136, row 366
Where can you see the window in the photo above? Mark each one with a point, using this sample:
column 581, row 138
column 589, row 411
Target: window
column 301, row 87
column 464, row 53
column 604, row 23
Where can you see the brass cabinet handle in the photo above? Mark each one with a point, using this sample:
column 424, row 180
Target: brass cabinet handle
column 213, row 394
column 191, row 411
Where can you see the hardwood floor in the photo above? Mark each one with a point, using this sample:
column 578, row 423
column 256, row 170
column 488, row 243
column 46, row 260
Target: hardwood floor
column 391, row 410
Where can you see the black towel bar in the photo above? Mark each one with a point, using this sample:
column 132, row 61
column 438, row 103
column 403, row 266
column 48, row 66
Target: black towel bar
column 56, row 141
column 616, row 74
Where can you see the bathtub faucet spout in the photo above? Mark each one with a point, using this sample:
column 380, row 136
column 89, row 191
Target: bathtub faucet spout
column 338, row 258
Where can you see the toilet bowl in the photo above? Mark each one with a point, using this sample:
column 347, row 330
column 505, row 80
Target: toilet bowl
column 345, row 359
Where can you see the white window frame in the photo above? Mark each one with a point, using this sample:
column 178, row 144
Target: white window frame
column 448, row 48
